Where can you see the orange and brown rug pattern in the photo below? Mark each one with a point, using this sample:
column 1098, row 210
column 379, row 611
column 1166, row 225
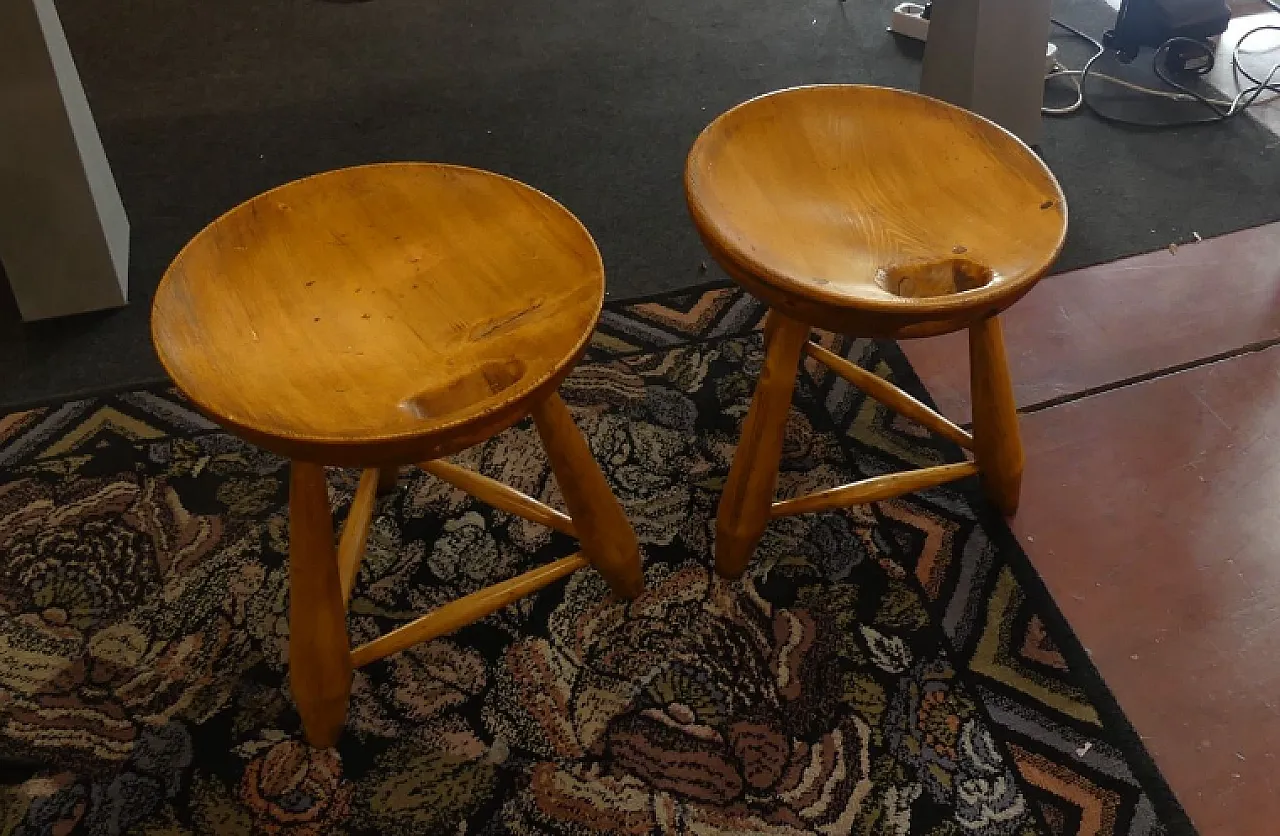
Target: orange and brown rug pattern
column 893, row 669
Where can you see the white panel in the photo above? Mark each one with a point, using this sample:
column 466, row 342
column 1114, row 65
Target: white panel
column 64, row 236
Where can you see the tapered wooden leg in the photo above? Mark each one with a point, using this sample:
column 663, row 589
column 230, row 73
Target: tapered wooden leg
column 319, row 651
column 997, row 444
column 607, row 539
column 388, row 479
column 744, row 505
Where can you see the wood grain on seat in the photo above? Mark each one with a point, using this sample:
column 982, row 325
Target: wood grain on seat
column 380, row 314
column 834, row 201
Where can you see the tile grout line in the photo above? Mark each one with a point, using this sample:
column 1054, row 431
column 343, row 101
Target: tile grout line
column 1061, row 400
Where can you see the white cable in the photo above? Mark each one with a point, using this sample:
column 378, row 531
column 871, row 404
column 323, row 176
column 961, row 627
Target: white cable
column 1060, row 71
column 1079, row 102
column 1232, row 106
column 1164, row 94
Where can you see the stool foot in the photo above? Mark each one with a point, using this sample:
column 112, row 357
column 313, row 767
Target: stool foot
column 748, row 493
column 607, row 539
column 997, row 444
column 388, row 480
column 319, row 650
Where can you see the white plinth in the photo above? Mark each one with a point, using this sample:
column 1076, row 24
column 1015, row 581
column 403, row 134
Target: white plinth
column 64, row 237
column 988, row 57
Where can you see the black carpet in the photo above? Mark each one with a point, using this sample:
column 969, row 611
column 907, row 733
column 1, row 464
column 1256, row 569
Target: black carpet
column 202, row 105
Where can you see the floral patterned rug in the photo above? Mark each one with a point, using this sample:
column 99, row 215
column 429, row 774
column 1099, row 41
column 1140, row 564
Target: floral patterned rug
column 893, row 669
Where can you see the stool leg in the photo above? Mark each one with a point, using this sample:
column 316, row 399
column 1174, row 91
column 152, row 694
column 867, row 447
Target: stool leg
column 607, row 539
column 748, row 493
column 319, row 650
column 388, row 479
column 997, row 444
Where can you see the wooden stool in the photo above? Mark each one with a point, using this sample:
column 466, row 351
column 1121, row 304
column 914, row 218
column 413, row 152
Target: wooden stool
column 878, row 213
column 383, row 315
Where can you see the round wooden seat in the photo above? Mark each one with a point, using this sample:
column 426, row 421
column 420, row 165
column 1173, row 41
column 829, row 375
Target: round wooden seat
column 873, row 211
column 380, row 314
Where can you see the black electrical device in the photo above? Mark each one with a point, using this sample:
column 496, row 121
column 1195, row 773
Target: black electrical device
column 1153, row 23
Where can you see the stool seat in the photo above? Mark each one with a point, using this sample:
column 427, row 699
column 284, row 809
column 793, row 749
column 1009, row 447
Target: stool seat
column 873, row 211
column 379, row 314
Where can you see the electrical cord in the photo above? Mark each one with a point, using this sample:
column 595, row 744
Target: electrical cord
column 1235, row 53
column 1243, row 100
column 1063, row 72
column 1222, row 109
column 1239, row 103
column 1079, row 34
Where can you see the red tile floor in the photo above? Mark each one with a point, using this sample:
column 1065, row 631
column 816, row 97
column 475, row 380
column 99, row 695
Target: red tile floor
column 1151, row 501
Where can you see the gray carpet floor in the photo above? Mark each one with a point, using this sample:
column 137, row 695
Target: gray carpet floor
column 202, row 105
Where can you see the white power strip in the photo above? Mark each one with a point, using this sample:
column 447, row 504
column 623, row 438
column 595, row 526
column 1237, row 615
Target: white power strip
column 908, row 21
